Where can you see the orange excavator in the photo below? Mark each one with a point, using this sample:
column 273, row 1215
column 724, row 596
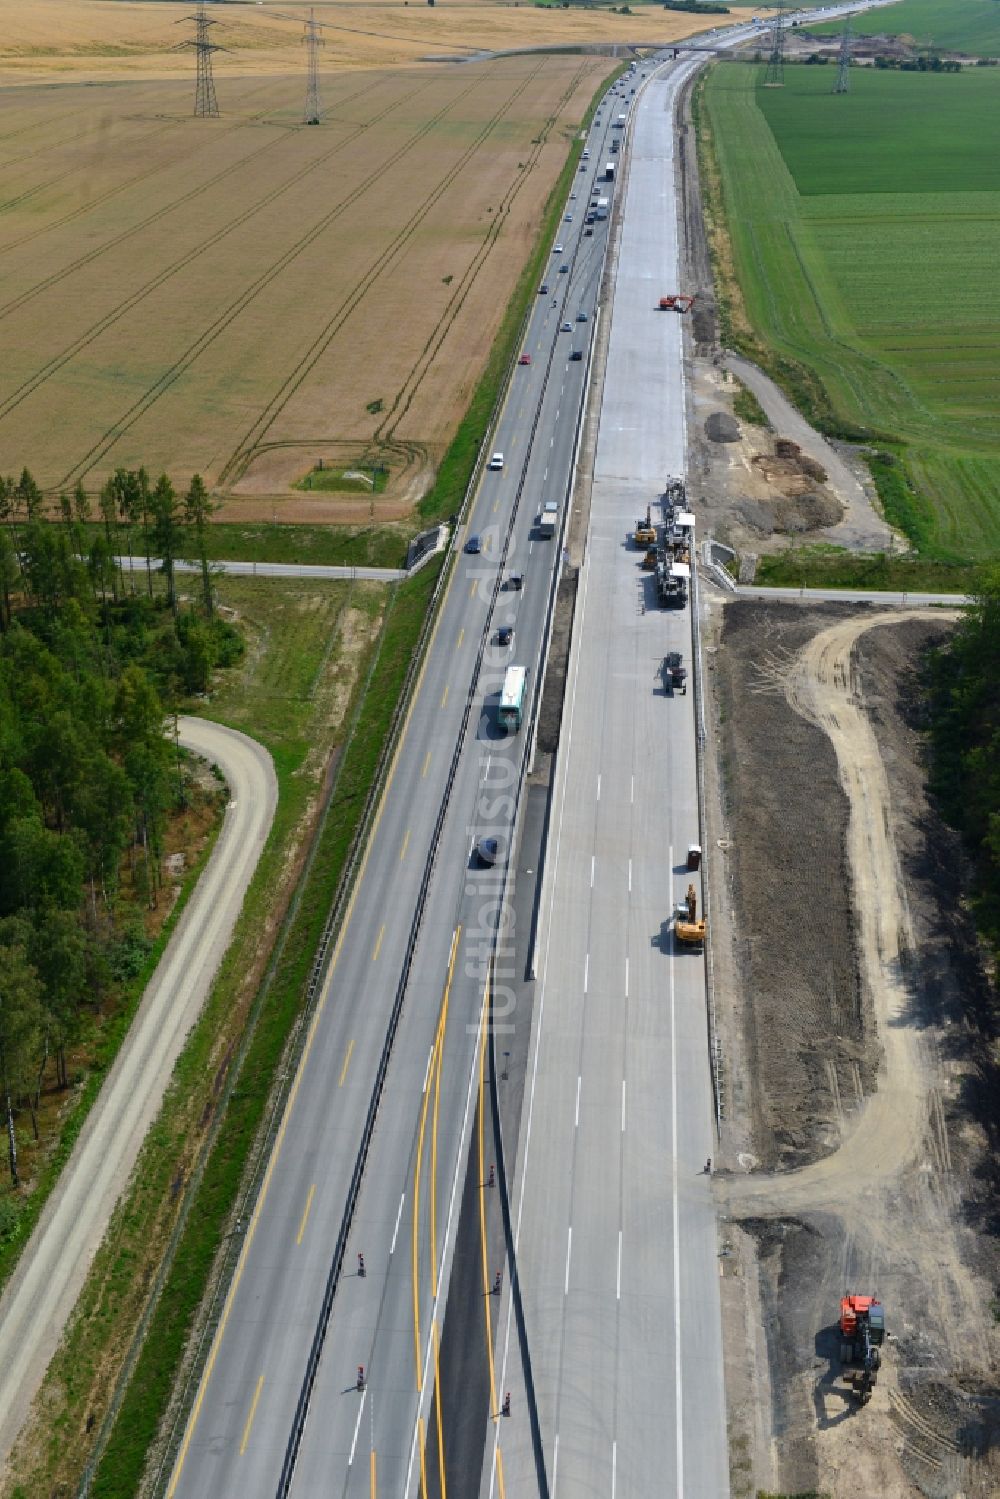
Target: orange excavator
column 862, row 1332
column 687, row 927
column 676, row 301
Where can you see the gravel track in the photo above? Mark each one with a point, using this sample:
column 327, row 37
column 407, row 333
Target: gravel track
column 40, row 1297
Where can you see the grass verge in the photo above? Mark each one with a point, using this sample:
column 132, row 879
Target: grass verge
column 747, row 407
column 824, row 566
column 149, row 1388
column 447, row 494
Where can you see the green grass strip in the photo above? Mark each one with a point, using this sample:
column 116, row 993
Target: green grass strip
column 825, row 566
column 145, row 1401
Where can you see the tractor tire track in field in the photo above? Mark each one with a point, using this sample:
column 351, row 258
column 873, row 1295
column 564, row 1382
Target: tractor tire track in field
column 408, row 390
column 72, row 171
column 10, row 135
column 249, row 293
column 237, row 463
column 151, row 219
column 146, row 176
column 58, row 361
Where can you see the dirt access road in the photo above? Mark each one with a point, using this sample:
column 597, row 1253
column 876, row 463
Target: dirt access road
column 40, row 1297
column 873, row 1096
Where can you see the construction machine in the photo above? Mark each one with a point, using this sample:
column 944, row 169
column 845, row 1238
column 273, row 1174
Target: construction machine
column 676, row 302
column 645, row 531
column 862, row 1332
column 674, row 672
column 687, row 927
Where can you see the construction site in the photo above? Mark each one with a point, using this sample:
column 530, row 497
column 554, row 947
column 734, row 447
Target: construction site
column 858, row 1178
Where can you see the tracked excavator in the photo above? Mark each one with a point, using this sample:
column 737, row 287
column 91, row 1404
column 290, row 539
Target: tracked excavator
column 645, row 531
column 862, row 1332
column 687, row 927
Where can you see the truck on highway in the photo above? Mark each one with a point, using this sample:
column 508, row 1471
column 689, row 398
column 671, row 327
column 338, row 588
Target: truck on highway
column 601, row 208
column 609, row 172
column 548, row 518
column 511, row 708
column 620, row 122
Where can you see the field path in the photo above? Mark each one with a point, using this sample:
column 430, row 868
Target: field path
column 889, row 1128
column 40, row 1297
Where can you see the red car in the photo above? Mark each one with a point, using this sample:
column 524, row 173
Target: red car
column 524, row 359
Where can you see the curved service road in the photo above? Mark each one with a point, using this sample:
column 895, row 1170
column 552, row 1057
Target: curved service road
column 39, row 1299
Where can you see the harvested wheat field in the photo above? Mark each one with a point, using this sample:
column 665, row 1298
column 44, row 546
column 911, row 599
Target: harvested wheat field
column 207, row 295
column 245, row 296
column 104, row 39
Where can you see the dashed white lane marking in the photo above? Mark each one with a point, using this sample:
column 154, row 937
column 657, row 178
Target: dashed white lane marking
column 577, row 1119
column 630, row 874
column 598, row 788
column 619, row 1283
column 592, row 862
column 623, row 1105
column 399, row 1214
column 427, row 1069
column 357, row 1427
column 586, row 971
column 626, row 978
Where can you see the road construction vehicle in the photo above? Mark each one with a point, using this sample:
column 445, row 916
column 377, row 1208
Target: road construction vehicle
column 645, row 531
column 676, row 302
column 674, row 672
column 862, row 1332
column 687, row 927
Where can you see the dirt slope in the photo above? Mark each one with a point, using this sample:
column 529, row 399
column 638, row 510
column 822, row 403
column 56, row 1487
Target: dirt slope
column 895, row 1208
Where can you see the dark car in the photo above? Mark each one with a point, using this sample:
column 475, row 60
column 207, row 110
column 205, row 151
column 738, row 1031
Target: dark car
column 505, row 635
column 488, row 850
column 474, row 545
column 576, row 354
column 543, row 289
column 588, row 234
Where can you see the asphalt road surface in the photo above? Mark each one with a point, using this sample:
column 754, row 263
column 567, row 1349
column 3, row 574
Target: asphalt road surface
column 53, row 1266
column 451, row 781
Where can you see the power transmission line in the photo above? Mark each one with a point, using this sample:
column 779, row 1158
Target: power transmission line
column 206, row 105
column 843, row 82
column 313, row 41
column 774, row 77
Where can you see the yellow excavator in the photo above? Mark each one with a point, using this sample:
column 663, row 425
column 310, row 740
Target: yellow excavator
column 687, row 927
column 645, row 531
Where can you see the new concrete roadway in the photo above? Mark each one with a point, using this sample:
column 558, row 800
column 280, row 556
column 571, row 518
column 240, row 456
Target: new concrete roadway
column 614, row 1218
column 53, row 1265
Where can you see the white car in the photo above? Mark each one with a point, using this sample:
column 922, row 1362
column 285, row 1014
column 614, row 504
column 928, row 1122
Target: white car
column 558, row 250
column 496, row 462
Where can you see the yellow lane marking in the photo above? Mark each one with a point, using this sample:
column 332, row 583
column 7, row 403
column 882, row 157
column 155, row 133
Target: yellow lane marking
column 378, row 943
column 461, row 636
column 294, row 1090
column 444, row 695
column 415, row 1231
column 253, row 1412
column 373, row 1474
column 472, row 591
column 423, row 1458
column 500, row 1482
column 496, row 504
column 308, row 1206
column 347, row 1063
column 427, row 761
column 487, row 1288
column 406, row 844
column 437, row 1406
column 434, row 1149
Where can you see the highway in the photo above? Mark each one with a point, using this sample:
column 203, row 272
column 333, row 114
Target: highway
column 321, row 1372
column 615, row 1224
column 39, row 1298
column 289, row 1313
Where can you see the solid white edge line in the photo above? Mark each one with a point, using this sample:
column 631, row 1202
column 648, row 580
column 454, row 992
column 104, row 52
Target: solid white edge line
column 614, row 1467
column 569, row 1255
column 619, row 1282
column 577, row 1119
column 678, row 1390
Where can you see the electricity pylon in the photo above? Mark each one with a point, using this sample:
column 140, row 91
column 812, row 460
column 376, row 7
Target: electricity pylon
column 206, row 106
column 313, row 42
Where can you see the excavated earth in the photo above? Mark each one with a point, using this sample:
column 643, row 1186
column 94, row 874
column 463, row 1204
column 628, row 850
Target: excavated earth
column 859, row 1032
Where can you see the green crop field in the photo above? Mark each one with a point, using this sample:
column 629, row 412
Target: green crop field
column 863, row 231
column 971, row 26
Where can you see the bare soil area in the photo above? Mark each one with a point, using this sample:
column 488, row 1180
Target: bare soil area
column 857, row 1014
